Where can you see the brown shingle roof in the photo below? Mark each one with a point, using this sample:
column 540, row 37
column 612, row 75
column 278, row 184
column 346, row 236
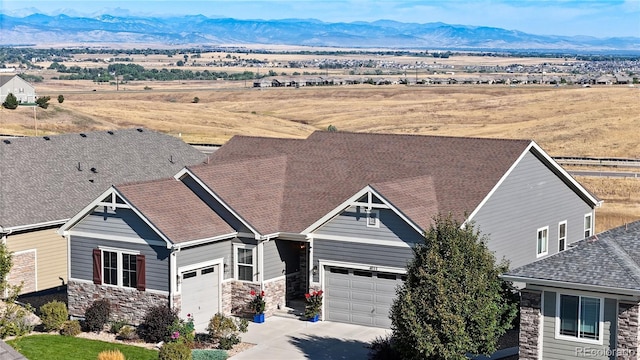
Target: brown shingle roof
column 287, row 185
column 175, row 210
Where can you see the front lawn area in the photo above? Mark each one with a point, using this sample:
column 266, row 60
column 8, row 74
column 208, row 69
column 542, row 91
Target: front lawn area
column 53, row 347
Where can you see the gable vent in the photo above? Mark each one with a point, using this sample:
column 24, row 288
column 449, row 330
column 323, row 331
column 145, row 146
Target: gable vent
column 46, row 138
column 83, row 135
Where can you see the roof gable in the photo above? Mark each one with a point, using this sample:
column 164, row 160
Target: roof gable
column 316, row 175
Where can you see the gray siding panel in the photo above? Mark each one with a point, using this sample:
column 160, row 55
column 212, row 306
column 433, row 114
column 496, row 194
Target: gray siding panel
column 206, row 252
column 274, row 265
column 558, row 349
column 157, row 259
column 121, row 222
column 353, row 223
column 531, row 197
column 376, row 255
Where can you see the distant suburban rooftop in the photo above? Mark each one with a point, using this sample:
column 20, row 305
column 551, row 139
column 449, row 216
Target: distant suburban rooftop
column 46, row 180
column 610, row 260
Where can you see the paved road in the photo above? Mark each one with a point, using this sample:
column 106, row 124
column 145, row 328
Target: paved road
column 618, row 174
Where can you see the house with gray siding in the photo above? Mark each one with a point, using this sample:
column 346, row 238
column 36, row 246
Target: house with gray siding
column 45, row 180
column 585, row 301
column 21, row 89
column 338, row 212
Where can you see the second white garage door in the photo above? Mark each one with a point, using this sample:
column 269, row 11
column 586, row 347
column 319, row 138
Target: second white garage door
column 200, row 291
column 359, row 296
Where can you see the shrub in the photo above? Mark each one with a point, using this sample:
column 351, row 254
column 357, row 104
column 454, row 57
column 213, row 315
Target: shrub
column 43, row 101
column 196, row 100
column 155, row 326
column 226, row 330
column 70, row 328
column 381, row 348
column 10, row 102
column 53, row 314
column 174, row 351
column 111, row 355
column 116, row 326
column 313, row 304
column 97, row 315
column 127, row 332
column 14, row 320
column 183, row 331
column 257, row 304
column 206, row 354
column 60, row 99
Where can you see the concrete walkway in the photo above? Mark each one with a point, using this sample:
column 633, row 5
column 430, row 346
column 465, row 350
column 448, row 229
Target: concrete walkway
column 290, row 339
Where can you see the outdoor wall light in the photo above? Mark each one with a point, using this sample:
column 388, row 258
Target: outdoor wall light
column 315, row 270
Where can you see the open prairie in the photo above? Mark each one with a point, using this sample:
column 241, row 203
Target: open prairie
column 565, row 120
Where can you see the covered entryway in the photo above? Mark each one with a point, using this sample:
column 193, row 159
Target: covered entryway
column 200, row 295
column 359, row 296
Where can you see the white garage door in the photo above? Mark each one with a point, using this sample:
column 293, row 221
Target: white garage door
column 359, row 296
column 200, row 291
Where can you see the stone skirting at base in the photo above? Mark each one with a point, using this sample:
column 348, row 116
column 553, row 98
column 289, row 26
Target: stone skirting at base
column 23, row 271
column 128, row 305
column 275, row 295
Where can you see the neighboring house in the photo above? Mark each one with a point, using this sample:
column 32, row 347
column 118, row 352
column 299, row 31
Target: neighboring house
column 585, row 301
column 23, row 91
column 45, row 180
column 336, row 211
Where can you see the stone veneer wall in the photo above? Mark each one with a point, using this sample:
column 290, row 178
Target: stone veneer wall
column 628, row 338
column 128, row 305
column 227, row 287
column 23, row 271
column 241, row 296
column 530, row 302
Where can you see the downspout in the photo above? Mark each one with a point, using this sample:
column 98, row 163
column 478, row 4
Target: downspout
column 5, row 233
column 173, row 274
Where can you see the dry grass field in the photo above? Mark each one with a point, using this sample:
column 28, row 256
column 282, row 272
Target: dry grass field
column 565, row 121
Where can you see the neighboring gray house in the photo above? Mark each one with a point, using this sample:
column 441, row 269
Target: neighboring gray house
column 336, row 211
column 585, row 301
column 45, row 180
column 23, row 91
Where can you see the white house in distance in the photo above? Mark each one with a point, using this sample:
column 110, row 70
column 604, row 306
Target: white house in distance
column 14, row 84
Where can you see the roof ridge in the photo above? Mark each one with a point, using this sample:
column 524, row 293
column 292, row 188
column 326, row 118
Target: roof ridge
column 624, row 258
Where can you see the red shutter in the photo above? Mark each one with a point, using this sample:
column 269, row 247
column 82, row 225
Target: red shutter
column 141, row 273
column 97, row 266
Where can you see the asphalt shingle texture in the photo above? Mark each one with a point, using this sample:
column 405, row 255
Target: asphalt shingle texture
column 610, row 259
column 49, row 180
column 287, row 185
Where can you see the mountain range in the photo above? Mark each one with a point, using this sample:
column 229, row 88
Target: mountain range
column 199, row 30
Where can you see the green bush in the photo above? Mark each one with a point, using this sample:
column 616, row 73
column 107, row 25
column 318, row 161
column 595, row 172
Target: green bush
column 226, row 330
column 116, row 326
column 97, row 315
column 53, row 314
column 127, row 332
column 381, row 348
column 60, row 99
column 206, row 354
column 14, row 320
column 174, row 351
column 10, row 102
column 43, row 101
column 155, row 326
column 70, row 328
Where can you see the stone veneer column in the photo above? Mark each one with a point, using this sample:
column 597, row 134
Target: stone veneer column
column 275, row 295
column 529, row 324
column 128, row 305
column 628, row 338
column 23, row 271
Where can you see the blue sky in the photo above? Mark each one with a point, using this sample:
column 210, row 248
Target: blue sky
column 599, row 18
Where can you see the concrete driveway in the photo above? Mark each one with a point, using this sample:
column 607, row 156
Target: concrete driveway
column 291, row 339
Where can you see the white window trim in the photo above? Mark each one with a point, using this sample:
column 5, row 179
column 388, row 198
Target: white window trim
column 566, row 228
column 590, row 228
column 377, row 218
column 546, row 248
column 119, row 265
column 235, row 260
column 577, row 339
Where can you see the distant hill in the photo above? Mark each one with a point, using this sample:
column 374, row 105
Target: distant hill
column 200, row 30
